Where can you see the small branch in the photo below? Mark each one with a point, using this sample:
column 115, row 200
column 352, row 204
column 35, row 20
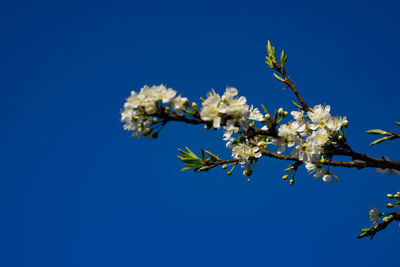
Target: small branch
column 221, row 162
column 395, row 217
column 290, row 84
column 358, row 161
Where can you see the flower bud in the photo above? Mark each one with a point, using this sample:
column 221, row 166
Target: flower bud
column 167, row 110
column 247, row 172
column 280, row 111
column 224, row 166
column 389, row 196
column 387, row 218
column 291, row 181
column 346, row 123
column 194, row 106
column 389, row 205
column 147, row 132
column 267, row 117
column 285, row 176
column 229, row 172
column 285, row 113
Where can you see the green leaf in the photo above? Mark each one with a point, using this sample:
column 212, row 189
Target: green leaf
column 296, row 105
column 398, row 123
column 265, row 109
column 191, row 153
column 376, row 131
column 269, row 48
column 202, row 169
column 278, row 77
column 284, row 60
column 379, row 141
column 191, row 161
column 203, row 156
column 269, row 62
column 214, row 157
column 186, row 168
column 282, row 57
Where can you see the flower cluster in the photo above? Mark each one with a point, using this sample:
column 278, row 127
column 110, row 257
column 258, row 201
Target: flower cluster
column 140, row 109
column 244, row 152
column 228, row 110
column 308, row 137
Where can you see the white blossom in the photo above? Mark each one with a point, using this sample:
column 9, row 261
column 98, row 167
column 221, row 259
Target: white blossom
column 297, row 115
column 255, row 114
column 244, row 153
column 289, row 135
column 319, row 115
column 178, row 104
column 374, row 216
column 335, row 123
column 210, row 109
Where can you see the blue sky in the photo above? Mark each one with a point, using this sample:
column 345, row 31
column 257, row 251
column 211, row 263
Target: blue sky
column 76, row 190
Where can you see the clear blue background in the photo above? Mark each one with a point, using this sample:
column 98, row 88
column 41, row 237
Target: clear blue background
column 76, row 190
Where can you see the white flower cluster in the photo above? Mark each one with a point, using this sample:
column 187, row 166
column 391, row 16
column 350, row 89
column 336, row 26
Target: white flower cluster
column 139, row 108
column 244, row 153
column 235, row 110
column 307, row 137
